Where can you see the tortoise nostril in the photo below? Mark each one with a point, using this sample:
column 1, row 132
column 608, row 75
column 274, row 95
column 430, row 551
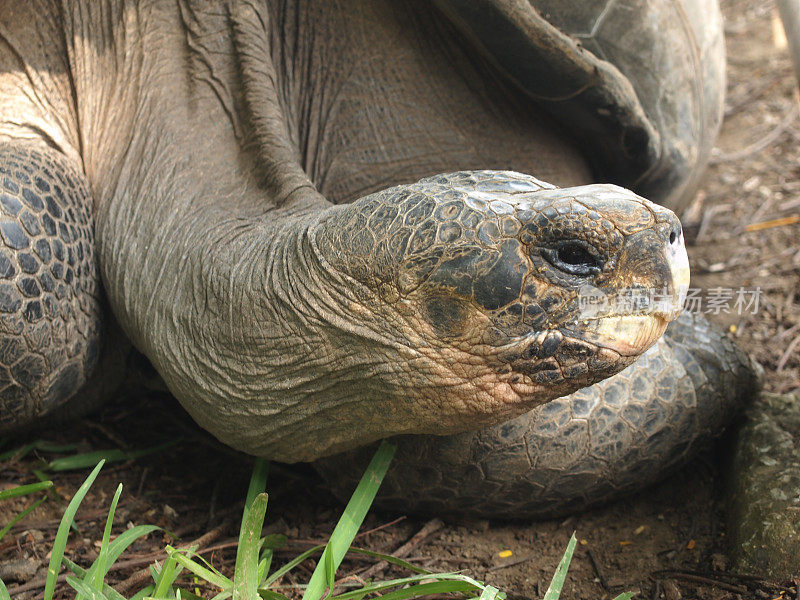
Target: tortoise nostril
column 674, row 234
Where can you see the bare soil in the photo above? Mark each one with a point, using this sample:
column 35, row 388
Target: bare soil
column 667, row 542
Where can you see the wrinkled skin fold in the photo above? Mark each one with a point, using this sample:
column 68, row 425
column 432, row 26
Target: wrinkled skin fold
column 313, row 220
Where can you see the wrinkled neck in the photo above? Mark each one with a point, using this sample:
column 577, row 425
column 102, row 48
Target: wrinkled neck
column 237, row 309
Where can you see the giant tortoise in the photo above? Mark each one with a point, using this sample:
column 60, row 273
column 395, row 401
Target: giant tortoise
column 310, row 218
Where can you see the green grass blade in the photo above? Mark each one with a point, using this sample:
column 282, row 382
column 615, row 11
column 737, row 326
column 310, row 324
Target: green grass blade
column 84, row 589
column 22, row 490
column 462, row 583
column 263, row 565
column 330, row 571
column 115, row 549
column 42, row 445
column 258, row 483
column 272, row 595
column 273, row 541
column 245, row 574
column 20, row 452
column 109, row 592
column 126, row 538
column 21, row 516
column 210, row 567
column 350, row 522
column 625, row 596
column 84, row 461
column 4, row 595
column 220, row 581
column 268, row 545
column 166, row 577
column 390, row 559
column 291, row 565
column 436, row 587
column 143, row 593
column 491, row 593
column 57, row 553
column 554, row 590
column 46, row 446
column 97, row 573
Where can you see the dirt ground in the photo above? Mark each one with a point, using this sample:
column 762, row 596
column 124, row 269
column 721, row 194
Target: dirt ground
column 667, row 542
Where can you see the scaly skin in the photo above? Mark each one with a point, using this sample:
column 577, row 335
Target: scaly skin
column 49, row 286
column 466, row 266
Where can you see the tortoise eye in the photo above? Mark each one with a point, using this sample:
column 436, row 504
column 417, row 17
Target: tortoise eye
column 575, row 258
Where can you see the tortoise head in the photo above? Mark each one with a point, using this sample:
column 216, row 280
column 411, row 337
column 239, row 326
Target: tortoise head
column 505, row 291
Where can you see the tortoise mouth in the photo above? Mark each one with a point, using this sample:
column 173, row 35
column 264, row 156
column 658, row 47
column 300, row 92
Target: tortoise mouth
column 629, row 335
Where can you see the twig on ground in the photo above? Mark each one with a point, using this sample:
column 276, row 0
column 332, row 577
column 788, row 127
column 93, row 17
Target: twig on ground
column 110, row 435
column 704, row 580
column 135, row 580
column 761, row 144
column 773, row 223
column 656, row 590
column 512, row 563
column 600, row 575
column 787, row 353
column 35, row 584
column 708, row 215
column 351, row 580
column 384, row 526
column 755, row 93
column 141, row 482
column 789, row 204
column 53, row 523
column 429, row 528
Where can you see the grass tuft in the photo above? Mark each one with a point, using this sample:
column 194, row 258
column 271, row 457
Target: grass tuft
column 63, row 532
column 349, row 524
column 253, row 577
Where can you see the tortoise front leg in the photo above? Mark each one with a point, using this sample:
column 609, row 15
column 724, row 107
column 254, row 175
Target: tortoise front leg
column 50, row 309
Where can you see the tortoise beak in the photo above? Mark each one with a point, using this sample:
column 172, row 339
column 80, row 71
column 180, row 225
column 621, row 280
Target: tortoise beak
column 678, row 262
column 653, row 264
column 629, row 335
